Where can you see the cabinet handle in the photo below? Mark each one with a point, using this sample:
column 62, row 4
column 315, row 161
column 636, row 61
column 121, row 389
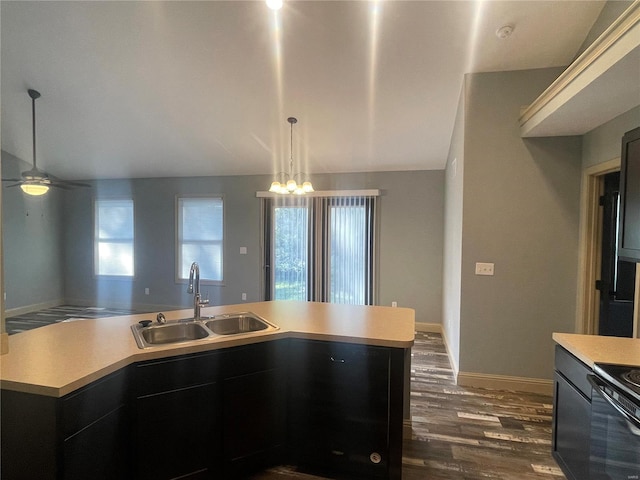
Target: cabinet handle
column 339, row 360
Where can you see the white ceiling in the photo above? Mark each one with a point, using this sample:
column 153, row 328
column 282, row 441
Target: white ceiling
column 147, row 89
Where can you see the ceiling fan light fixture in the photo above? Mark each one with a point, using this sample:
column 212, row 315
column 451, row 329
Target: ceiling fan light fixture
column 35, row 181
column 36, row 189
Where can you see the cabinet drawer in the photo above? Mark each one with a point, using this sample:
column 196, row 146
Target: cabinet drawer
column 573, row 370
column 249, row 359
column 339, row 363
column 94, row 401
column 174, row 373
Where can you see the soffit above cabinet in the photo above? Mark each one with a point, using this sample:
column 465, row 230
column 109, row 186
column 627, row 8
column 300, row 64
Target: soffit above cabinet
column 599, row 85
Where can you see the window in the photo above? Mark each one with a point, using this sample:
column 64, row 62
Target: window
column 114, row 238
column 320, row 249
column 200, row 237
column 290, row 258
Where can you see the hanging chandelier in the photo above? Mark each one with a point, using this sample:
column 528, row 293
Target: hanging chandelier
column 290, row 185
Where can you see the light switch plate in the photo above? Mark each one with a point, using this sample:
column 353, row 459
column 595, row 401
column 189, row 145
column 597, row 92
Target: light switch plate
column 243, row 250
column 484, row 268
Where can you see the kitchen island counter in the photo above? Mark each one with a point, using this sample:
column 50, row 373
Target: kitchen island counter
column 58, row 359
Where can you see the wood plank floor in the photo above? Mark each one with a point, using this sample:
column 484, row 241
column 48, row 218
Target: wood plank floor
column 62, row 313
column 461, row 433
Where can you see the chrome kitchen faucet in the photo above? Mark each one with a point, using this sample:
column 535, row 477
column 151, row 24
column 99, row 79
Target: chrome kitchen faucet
column 194, row 287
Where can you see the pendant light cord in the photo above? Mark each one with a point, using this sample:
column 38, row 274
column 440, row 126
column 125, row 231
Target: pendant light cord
column 291, row 121
column 33, row 124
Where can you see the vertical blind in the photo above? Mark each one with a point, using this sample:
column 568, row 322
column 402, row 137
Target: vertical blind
column 348, row 229
column 320, row 249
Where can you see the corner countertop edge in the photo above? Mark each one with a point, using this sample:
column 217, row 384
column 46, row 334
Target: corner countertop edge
column 592, row 349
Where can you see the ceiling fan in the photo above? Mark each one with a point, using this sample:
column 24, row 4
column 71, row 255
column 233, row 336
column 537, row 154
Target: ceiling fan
column 35, row 181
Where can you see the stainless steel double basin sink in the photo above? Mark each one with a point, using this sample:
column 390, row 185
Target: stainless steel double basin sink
column 189, row 330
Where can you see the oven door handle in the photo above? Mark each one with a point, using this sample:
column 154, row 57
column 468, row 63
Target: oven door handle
column 632, row 422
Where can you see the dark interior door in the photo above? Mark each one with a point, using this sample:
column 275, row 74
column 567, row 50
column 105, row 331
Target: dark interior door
column 617, row 284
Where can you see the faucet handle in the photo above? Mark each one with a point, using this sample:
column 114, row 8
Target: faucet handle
column 203, row 301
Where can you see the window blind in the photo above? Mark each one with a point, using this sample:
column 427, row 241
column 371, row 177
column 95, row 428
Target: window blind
column 114, row 235
column 200, row 235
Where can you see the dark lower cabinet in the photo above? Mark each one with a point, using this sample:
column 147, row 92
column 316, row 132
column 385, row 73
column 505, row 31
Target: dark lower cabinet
column 82, row 435
column 100, row 451
column 254, row 421
column 217, row 415
column 571, row 416
column 343, row 414
column 177, row 418
column 254, row 407
column 176, row 433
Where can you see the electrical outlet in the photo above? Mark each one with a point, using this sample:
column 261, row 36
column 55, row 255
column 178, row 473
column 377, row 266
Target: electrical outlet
column 484, row 268
column 146, row 291
column 243, row 250
column 394, row 304
column 244, row 296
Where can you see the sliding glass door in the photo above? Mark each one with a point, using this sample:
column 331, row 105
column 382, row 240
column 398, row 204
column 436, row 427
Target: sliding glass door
column 320, row 249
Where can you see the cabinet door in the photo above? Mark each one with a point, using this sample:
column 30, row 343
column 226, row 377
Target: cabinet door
column 629, row 239
column 571, row 429
column 338, row 406
column 253, row 420
column 95, row 430
column 99, row 452
column 177, row 433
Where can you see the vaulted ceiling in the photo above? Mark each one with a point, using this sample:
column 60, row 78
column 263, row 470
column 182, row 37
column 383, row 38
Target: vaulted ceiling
column 148, row 89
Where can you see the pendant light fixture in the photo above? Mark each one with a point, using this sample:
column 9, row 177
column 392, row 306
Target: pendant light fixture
column 290, row 185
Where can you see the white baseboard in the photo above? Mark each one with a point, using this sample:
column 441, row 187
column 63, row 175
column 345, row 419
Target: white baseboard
column 428, row 327
column 505, row 382
column 14, row 312
column 452, row 361
column 481, row 380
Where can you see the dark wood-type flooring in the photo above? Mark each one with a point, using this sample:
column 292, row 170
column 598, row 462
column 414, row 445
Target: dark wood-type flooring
column 62, row 313
column 461, row 433
column 456, row 433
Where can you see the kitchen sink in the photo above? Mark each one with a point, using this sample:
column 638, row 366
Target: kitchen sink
column 151, row 334
column 170, row 333
column 236, row 323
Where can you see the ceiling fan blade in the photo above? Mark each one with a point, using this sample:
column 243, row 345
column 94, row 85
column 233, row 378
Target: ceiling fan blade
column 70, row 183
column 73, row 184
column 60, row 185
column 14, row 185
column 11, row 179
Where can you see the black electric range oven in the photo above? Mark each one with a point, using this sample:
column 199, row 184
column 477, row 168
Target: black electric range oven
column 615, row 423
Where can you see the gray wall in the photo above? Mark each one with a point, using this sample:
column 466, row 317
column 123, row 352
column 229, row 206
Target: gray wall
column 604, row 143
column 610, row 12
column 32, row 242
column 454, row 194
column 411, row 236
column 521, row 212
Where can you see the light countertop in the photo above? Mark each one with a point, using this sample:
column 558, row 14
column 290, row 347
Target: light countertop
column 58, row 359
column 592, row 349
